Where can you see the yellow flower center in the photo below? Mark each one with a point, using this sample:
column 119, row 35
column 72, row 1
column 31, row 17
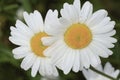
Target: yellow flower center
column 78, row 36
column 36, row 44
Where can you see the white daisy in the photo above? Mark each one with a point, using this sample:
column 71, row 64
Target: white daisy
column 108, row 69
column 79, row 37
column 28, row 38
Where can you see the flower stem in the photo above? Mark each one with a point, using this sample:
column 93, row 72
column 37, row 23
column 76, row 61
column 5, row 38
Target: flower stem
column 103, row 74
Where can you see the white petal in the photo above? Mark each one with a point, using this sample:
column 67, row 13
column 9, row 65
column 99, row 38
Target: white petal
column 103, row 23
column 70, row 13
column 48, row 67
column 20, row 52
column 86, row 11
column 116, row 73
column 42, row 67
column 18, row 42
column 47, row 41
column 49, row 50
column 93, row 74
column 104, row 29
column 58, row 53
column 21, row 49
column 111, row 33
column 21, row 27
column 35, row 67
column 99, row 50
column 19, row 36
column 51, row 15
column 99, row 67
column 52, row 25
column 108, row 69
column 76, row 65
column 108, row 51
column 69, row 60
column 30, row 22
column 19, row 56
column 94, row 59
column 105, row 38
column 59, row 63
column 96, row 18
column 81, row 62
column 65, row 23
column 85, row 58
column 104, row 42
column 38, row 20
column 77, row 5
column 12, row 28
column 86, row 74
column 55, row 72
column 28, row 61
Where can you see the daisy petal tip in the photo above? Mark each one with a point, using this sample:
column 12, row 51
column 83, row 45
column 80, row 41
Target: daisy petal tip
column 10, row 38
column 33, row 74
column 49, row 11
column 17, row 21
column 55, row 10
column 15, row 57
column 76, row 2
column 111, row 53
column 103, row 11
column 75, row 70
column 36, row 11
column 65, row 73
column 115, row 40
column 11, row 28
column 65, row 5
column 13, row 51
column 25, row 14
column 108, row 64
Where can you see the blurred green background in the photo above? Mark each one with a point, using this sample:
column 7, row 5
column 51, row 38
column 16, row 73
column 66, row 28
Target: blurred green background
column 10, row 10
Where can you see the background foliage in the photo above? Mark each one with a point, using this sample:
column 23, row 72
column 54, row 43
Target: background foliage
column 10, row 68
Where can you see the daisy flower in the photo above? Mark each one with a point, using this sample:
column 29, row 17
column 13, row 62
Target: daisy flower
column 108, row 69
column 28, row 38
column 80, row 37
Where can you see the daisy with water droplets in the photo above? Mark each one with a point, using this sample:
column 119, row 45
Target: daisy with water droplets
column 79, row 37
column 108, row 69
column 28, row 38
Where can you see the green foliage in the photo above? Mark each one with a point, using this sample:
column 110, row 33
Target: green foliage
column 10, row 68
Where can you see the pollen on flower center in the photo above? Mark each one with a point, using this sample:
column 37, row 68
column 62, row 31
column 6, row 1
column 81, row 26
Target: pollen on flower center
column 78, row 36
column 36, row 44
